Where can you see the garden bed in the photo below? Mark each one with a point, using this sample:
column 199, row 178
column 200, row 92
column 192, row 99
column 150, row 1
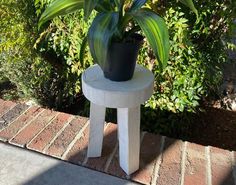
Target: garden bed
column 212, row 126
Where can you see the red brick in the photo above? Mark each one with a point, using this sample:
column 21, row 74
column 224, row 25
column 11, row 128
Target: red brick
column 234, row 167
column 149, row 152
column 44, row 138
column 109, row 143
column 195, row 169
column 235, row 158
column 5, row 106
column 170, row 169
column 61, row 143
column 114, row 167
column 12, row 114
column 29, row 132
column 19, row 123
column 78, row 152
column 221, row 167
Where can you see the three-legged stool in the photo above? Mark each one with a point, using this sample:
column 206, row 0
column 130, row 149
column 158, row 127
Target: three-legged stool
column 126, row 97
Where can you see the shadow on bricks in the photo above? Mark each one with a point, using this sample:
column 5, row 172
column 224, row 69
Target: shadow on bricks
column 160, row 158
column 228, row 180
column 157, row 166
column 163, row 161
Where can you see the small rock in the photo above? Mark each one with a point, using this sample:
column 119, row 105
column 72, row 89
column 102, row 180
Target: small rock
column 2, row 121
column 234, row 105
column 31, row 103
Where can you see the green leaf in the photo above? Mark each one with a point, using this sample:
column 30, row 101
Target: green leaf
column 156, row 32
column 189, row 3
column 104, row 6
column 100, row 33
column 137, row 4
column 119, row 3
column 82, row 50
column 60, row 7
column 89, row 5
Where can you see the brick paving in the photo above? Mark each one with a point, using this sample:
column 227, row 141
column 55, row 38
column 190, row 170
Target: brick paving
column 195, row 171
column 49, row 132
column 6, row 106
column 170, row 168
column 62, row 142
column 33, row 128
column 109, row 142
column 221, row 166
column 163, row 161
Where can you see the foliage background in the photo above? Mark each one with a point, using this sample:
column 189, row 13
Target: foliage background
column 45, row 77
column 18, row 33
column 195, row 66
column 199, row 50
column 51, row 72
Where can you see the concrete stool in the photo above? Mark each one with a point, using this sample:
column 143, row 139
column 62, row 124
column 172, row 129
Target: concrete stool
column 126, row 97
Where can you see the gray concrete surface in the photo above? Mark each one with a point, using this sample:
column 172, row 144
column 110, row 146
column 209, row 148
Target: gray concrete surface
column 23, row 167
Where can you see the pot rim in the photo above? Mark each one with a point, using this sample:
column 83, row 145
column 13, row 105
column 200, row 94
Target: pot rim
column 138, row 39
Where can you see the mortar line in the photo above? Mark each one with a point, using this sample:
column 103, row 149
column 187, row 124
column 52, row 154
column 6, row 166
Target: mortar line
column 108, row 162
column 2, row 114
column 86, row 158
column 14, row 119
column 114, row 151
column 208, row 165
column 27, row 124
column 142, row 137
column 157, row 166
column 57, row 134
column 77, row 137
column 50, row 121
column 183, row 162
column 233, row 167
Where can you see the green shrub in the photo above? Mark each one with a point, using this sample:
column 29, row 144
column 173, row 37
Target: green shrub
column 64, row 36
column 17, row 35
column 198, row 52
column 41, row 78
column 194, row 68
column 196, row 57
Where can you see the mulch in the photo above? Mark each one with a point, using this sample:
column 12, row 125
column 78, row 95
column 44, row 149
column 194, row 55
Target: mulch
column 214, row 127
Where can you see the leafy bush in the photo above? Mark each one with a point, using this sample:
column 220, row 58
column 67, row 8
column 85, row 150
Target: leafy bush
column 196, row 57
column 194, row 68
column 62, row 39
column 16, row 36
column 193, row 72
column 198, row 52
column 35, row 76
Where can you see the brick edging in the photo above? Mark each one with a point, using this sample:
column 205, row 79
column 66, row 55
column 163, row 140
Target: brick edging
column 162, row 160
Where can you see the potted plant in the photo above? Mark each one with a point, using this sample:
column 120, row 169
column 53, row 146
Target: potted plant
column 113, row 36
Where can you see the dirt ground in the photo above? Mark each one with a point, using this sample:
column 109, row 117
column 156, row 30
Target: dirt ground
column 214, row 127
column 217, row 125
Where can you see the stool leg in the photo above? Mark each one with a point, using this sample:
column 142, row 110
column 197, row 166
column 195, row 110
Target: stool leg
column 129, row 138
column 97, row 120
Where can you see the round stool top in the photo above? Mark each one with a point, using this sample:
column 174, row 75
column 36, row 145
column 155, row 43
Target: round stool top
column 102, row 91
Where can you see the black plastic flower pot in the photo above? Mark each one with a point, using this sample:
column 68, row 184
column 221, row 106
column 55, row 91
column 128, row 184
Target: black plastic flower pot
column 121, row 59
